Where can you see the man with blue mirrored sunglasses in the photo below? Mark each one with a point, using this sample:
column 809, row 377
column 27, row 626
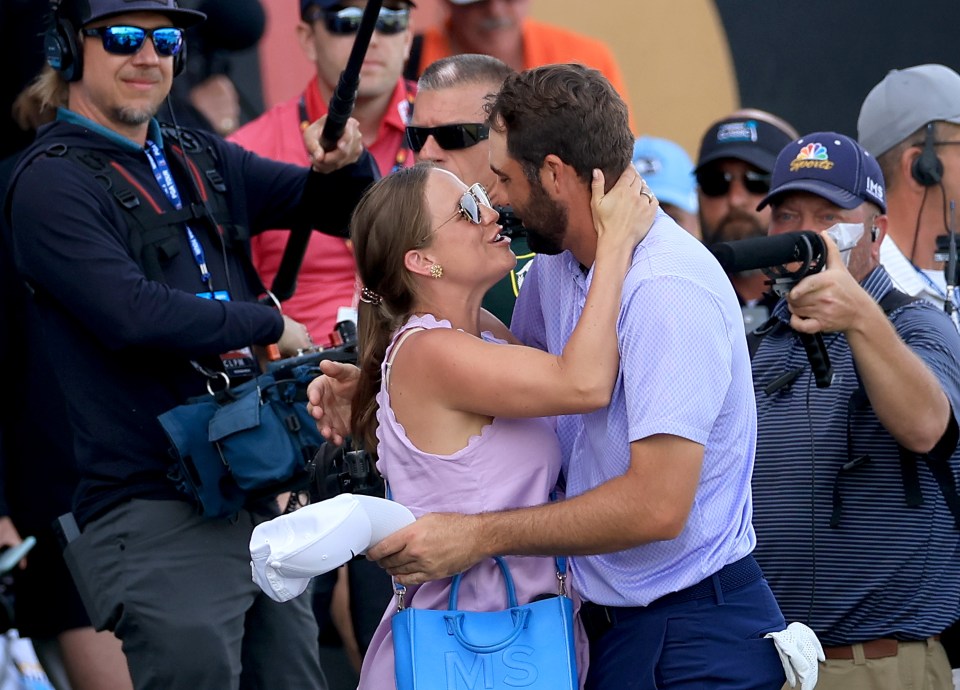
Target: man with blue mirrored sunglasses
column 137, row 234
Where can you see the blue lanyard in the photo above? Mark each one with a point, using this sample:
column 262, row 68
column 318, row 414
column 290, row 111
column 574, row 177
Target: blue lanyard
column 161, row 171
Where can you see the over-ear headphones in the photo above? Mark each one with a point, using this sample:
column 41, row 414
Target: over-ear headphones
column 64, row 53
column 927, row 168
column 61, row 48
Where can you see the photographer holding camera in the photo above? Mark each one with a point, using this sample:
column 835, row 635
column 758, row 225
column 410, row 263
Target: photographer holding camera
column 853, row 487
column 134, row 240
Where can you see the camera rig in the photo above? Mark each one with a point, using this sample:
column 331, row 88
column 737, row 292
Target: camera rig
column 333, row 469
column 785, row 259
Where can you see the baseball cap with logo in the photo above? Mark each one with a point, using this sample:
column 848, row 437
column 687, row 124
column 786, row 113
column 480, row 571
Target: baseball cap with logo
column 82, row 12
column 668, row 170
column 753, row 140
column 905, row 101
column 830, row 165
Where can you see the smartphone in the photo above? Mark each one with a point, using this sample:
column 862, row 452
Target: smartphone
column 11, row 555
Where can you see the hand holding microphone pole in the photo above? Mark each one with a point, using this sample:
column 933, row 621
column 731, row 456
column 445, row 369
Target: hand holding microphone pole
column 331, row 142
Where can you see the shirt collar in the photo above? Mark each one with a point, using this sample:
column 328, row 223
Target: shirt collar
column 153, row 132
column 901, row 269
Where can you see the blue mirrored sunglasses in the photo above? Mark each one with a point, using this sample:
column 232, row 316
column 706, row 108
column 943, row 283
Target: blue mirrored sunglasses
column 128, row 40
column 469, row 206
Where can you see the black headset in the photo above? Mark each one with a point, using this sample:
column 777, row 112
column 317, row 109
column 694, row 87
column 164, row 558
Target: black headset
column 63, row 51
column 927, row 168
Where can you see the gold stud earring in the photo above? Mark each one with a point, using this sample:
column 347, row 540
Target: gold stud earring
column 436, row 271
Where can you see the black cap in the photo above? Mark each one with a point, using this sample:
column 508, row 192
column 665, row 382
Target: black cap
column 748, row 139
column 85, row 11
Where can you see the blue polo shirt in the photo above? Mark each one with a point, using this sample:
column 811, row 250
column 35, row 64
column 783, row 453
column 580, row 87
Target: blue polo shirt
column 885, row 569
column 684, row 371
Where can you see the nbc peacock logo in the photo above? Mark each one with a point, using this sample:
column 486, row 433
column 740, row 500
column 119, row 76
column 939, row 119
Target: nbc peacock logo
column 813, row 155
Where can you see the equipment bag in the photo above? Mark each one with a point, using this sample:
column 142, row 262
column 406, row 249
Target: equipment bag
column 248, row 442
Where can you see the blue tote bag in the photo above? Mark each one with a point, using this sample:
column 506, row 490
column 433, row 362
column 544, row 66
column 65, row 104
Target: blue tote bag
column 529, row 646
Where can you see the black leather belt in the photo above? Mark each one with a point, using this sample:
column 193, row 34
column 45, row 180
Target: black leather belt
column 598, row 619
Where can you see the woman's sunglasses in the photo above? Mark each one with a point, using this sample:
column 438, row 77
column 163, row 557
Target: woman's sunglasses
column 128, row 40
column 448, row 137
column 347, row 21
column 716, row 183
column 469, row 206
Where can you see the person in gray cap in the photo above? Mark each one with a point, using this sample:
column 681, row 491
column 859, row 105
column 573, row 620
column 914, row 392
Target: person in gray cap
column 910, row 122
column 733, row 170
column 853, row 487
column 134, row 238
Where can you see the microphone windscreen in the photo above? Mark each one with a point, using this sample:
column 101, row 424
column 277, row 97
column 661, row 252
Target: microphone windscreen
column 231, row 24
column 761, row 252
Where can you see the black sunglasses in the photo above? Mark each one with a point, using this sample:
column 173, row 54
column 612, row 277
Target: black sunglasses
column 448, row 137
column 346, row 21
column 128, row 40
column 716, row 183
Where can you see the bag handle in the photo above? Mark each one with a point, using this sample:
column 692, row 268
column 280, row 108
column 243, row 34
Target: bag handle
column 511, row 591
column 455, row 627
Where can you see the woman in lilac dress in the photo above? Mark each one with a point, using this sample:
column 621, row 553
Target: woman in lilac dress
column 458, row 414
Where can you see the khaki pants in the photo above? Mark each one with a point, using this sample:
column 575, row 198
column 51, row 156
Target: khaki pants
column 917, row 666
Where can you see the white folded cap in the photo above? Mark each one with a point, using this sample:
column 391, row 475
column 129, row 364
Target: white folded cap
column 290, row 549
column 386, row 516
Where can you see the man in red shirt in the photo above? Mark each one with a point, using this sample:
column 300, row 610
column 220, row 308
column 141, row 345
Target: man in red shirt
column 326, row 284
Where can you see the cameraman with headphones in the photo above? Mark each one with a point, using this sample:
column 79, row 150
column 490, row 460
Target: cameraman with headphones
column 854, row 490
column 133, row 238
column 910, row 122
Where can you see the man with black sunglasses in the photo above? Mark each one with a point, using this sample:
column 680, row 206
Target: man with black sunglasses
column 733, row 170
column 326, row 283
column 448, row 128
column 133, row 237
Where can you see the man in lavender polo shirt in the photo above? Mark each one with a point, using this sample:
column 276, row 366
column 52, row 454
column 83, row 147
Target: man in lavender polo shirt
column 658, row 504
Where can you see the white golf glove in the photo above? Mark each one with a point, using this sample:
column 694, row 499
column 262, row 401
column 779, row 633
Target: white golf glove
column 799, row 651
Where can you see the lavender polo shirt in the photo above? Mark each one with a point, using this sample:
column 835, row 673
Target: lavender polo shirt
column 684, row 371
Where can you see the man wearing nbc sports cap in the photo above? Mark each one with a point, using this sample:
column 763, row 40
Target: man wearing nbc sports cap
column 854, row 498
column 667, row 168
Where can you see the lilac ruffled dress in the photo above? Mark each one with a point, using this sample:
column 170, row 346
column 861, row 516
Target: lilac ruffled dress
column 512, row 463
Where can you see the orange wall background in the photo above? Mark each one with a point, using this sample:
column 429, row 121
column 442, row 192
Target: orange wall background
column 673, row 54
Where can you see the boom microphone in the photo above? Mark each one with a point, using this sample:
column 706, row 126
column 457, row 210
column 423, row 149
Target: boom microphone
column 762, row 252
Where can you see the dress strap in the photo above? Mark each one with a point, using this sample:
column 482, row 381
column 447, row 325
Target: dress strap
column 388, row 362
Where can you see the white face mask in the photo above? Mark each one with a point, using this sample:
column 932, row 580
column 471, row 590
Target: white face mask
column 846, row 236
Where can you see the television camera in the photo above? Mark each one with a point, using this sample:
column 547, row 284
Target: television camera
column 786, row 259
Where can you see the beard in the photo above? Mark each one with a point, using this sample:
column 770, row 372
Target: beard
column 545, row 222
column 736, row 225
column 134, row 116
